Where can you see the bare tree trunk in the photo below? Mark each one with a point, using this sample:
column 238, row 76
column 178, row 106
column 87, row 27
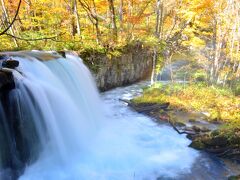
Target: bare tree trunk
column 159, row 18
column 154, row 66
column 77, row 18
column 214, row 42
column 92, row 16
column 113, row 18
column 161, row 21
column 157, row 28
column 73, row 28
column 170, row 64
column 129, row 14
column 96, row 23
column 121, row 14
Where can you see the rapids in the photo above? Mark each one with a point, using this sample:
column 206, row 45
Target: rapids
column 74, row 133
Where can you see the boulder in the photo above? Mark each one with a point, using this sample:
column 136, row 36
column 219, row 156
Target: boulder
column 198, row 144
column 218, row 141
column 12, row 64
column 6, row 81
column 234, row 177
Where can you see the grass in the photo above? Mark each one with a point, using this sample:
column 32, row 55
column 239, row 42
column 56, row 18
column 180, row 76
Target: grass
column 220, row 104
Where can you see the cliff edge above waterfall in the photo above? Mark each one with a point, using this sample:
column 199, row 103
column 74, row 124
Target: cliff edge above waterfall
column 130, row 64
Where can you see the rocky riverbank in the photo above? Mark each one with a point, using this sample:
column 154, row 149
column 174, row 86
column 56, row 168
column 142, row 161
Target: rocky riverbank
column 204, row 135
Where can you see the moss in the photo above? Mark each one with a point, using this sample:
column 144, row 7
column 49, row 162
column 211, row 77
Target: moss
column 197, row 144
column 215, row 133
column 219, row 103
column 96, row 56
column 234, row 177
column 179, row 123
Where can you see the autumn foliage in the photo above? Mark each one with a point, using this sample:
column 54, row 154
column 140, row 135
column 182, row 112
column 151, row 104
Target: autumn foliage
column 208, row 29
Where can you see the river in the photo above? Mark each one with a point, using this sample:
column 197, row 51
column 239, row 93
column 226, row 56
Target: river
column 71, row 132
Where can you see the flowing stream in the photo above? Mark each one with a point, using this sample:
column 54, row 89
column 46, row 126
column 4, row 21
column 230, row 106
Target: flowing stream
column 73, row 133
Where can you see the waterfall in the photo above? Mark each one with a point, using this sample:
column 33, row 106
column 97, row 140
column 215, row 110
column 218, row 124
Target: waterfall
column 56, row 126
column 55, row 91
column 49, row 109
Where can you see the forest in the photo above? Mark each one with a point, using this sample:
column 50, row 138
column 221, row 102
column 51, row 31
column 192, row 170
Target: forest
column 204, row 34
column 206, row 29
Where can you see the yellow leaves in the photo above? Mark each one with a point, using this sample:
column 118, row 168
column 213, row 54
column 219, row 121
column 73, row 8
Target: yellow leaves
column 218, row 102
column 192, row 39
column 102, row 3
column 194, row 42
column 202, row 5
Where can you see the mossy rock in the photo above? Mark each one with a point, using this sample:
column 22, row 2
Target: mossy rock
column 179, row 124
column 204, row 129
column 234, row 177
column 215, row 133
column 197, row 144
column 219, row 141
column 196, row 128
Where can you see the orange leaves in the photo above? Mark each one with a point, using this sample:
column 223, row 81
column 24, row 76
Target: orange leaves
column 204, row 4
column 133, row 19
column 102, row 3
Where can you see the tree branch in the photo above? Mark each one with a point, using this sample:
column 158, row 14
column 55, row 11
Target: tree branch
column 36, row 39
column 14, row 19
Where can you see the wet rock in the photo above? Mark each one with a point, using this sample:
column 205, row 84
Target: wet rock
column 198, row 144
column 200, row 129
column 220, row 145
column 192, row 120
column 179, row 124
column 18, row 137
column 192, row 136
column 62, row 53
column 12, row 64
column 6, row 81
column 148, row 107
column 196, row 129
column 211, row 142
column 204, row 129
column 218, row 141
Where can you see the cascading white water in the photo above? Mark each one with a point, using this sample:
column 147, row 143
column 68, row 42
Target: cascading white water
column 80, row 140
column 55, row 92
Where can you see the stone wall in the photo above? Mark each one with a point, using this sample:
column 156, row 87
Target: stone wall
column 134, row 64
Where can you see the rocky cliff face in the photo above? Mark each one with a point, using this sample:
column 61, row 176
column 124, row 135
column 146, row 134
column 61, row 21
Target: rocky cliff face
column 134, row 64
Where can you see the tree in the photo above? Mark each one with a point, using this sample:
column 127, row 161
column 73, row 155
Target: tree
column 9, row 25
column 113, row 19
